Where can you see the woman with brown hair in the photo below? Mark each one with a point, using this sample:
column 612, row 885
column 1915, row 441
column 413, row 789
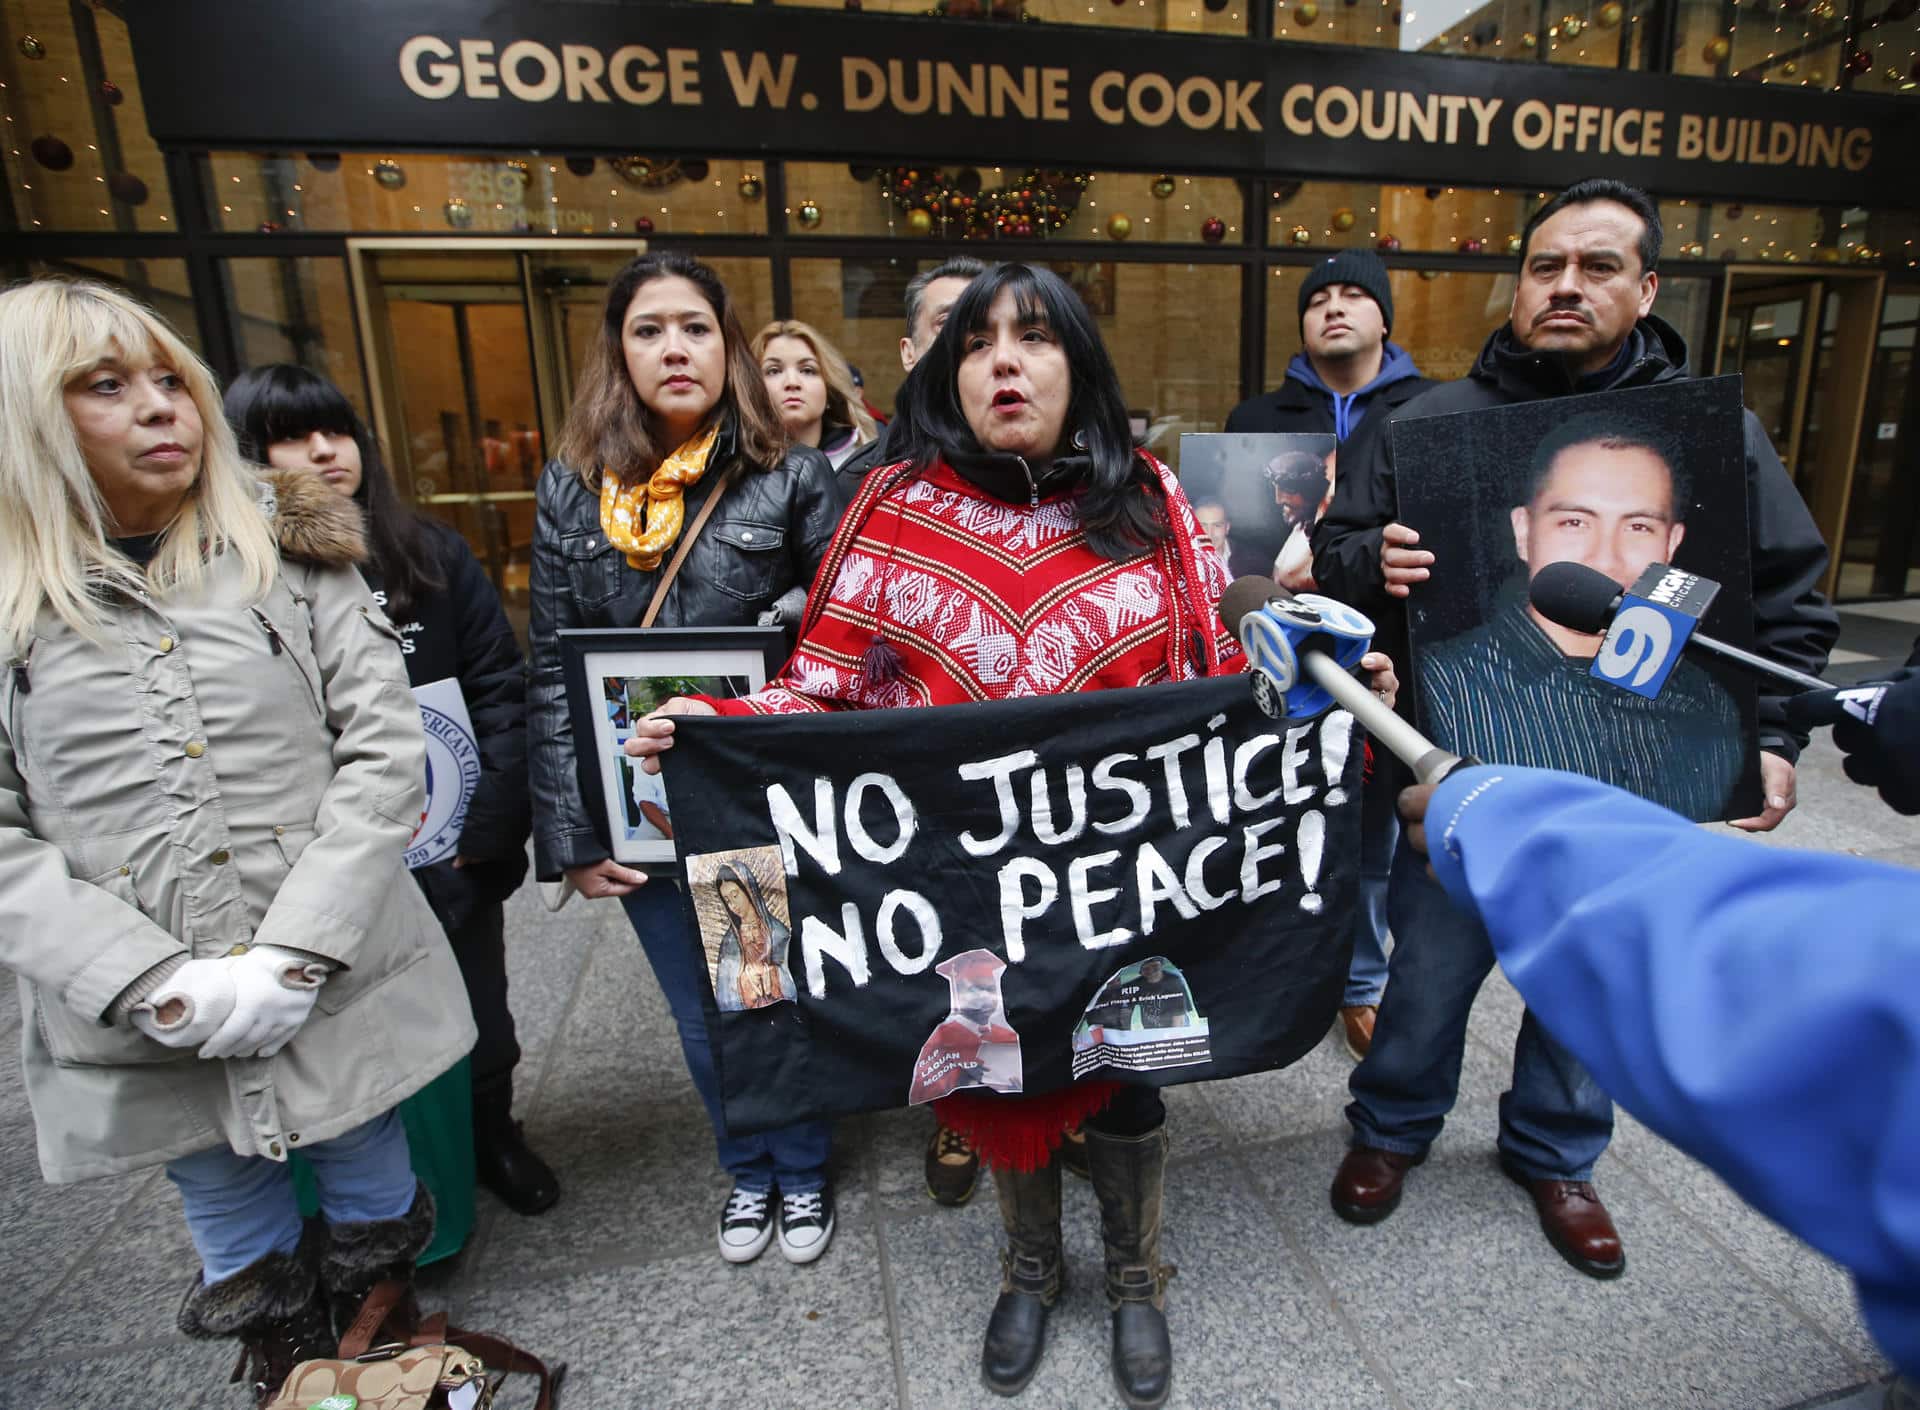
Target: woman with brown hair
column 672, row 435
column 812, row 388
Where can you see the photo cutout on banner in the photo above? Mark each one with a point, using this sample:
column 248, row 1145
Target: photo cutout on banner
column 1258, row 496
column 746, row 927
column 974, row 1045
column 1617, row 481
column 1143, row 1019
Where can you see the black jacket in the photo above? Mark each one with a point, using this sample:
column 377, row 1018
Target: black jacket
column 1296, row 408
column 460, row 631
column 1792, row 622
column 768, row 535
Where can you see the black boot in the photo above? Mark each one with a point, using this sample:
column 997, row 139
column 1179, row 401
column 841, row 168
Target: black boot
column 1128, row 1175
column 1032, row 1273
column 362, row 1255
column 276, row 1308
column 501, row 1157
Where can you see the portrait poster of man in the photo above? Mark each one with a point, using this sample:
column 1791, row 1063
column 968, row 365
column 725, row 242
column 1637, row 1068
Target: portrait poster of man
column 740, row 901
column 1144, row 1018
column 1617, row 481
column 1258, row 496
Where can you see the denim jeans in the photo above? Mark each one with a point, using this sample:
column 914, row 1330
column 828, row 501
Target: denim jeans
column 1554, row 1121
column 1379, row 831
column 240, row 1208
column 793, row 1158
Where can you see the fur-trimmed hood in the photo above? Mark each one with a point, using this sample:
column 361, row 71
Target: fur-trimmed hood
column 311, row 523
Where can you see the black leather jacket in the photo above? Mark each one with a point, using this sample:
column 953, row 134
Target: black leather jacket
column 768, row 535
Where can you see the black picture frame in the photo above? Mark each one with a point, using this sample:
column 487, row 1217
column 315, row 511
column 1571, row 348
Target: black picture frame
column 647, row 666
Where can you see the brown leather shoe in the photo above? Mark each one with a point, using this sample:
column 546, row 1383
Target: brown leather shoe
column 1575, row 1223
column 1367, row 1187
column 1356, row 1026
column 952, row 1167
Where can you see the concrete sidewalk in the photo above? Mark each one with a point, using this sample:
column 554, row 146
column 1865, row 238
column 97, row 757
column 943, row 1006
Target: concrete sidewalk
column 1456, row 1303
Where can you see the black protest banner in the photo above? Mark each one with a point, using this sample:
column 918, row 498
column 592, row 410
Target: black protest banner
column 1152, row 885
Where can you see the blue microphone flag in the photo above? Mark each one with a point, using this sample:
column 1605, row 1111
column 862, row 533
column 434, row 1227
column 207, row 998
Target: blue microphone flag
column 1651, row 628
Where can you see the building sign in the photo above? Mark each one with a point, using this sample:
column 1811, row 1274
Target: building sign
column 719, row 80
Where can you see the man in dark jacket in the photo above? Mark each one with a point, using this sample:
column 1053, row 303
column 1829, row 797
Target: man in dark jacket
column 1581, row 321
column 930, row 294
column 1346, row 367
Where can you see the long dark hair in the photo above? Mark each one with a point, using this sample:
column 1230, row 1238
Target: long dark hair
column 607, row 426
column 282, row 402
column 1118, row 503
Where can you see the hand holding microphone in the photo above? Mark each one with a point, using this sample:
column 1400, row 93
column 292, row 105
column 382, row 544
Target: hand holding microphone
column 1877, row 725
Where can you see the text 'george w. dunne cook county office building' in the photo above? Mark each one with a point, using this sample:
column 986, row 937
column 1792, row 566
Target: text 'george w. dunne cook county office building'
column 423, row 200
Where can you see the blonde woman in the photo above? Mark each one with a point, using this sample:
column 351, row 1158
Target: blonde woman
column 210, row 765
column 672, row 417
column 813, row 390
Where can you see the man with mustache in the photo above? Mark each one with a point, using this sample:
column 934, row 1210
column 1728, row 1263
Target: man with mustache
column 1581, row 321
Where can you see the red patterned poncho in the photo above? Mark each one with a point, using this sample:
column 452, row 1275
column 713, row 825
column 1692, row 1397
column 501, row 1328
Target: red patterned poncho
column 937, row 593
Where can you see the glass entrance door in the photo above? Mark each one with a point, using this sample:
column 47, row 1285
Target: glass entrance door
column 1804, row 343
column 475, row 349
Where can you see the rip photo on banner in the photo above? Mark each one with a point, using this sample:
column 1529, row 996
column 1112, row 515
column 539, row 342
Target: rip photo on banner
column 1153, row 885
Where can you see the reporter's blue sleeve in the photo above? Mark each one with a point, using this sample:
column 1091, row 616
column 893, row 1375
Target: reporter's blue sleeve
column 1758, row 1007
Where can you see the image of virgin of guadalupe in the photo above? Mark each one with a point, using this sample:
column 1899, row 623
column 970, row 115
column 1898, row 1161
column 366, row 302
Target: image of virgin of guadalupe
column 753, row 954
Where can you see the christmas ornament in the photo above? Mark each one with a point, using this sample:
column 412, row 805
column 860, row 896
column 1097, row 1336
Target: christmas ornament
column 1387, row 244
column 1284, row 191
column 1860, row 61
column 1163, row 187
column 1863, row 255
column 1611, row 14
column 458, row 213
column 1734, row 212
column 111, row 92
column 1793, row 7
column 1343, row 219
column 1717, row 50
column 32, row 47
column 861, row 173
column 750, row 188
column 269, row 227
column 642, row 225
column 1822, row 10
column 127, row 189
column 1571, row 26
column 651, row 173
column 1472, row 246
column 1429, row 275
column 580, row 166
column 389, row 174
column 1213, row 230
column 1789, row 68
column 324, row 161
column 52, row 153
column 808, row 215
column 1119, row 227
column 919, row 222
column 694, row 171
column 1214, row 7
column 1529, row 41
column 1300, row 235
column 1433, row 192
column 1305, row 13
column 1693, row 249
column 1515, row 244
column 518, row 172
column 1817, row 78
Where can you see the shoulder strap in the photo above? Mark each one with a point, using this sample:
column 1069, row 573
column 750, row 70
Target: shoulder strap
column 680, row 554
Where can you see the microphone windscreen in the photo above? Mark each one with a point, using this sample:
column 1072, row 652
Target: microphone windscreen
column 1575, row 596
column 1244, row 595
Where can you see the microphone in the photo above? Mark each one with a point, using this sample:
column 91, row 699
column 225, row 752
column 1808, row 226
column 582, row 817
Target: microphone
column 1583, row 599
column 1288, row 637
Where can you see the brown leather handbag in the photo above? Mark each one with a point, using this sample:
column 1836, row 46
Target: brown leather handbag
column 438, row 1368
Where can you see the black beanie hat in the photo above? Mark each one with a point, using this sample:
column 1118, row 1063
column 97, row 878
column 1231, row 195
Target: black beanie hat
column 1358, row 267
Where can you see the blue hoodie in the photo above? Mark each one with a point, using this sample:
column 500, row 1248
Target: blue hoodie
column 1396, row 365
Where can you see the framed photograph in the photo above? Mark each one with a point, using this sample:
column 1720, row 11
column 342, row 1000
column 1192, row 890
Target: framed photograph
column 1258, row 495
column 616, row 677
column 1618, row 481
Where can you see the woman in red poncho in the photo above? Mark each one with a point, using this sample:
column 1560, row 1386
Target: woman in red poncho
column 1023, row 547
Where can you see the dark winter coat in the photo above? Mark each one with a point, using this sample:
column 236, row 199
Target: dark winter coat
column 768, row 535
column 459, row 631
column 1304, row 403
column 1792, row 622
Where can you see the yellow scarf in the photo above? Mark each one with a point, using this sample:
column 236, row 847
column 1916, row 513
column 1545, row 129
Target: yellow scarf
column 658, row 504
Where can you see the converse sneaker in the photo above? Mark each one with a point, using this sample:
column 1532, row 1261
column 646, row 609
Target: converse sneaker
column 806, row 1224
column 746, row 1225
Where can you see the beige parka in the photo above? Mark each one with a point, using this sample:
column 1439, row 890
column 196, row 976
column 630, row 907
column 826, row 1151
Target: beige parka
column 216, row 774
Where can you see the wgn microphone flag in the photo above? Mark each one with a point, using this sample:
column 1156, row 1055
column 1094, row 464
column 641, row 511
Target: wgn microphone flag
column 1152, row 885
column 1651, row 629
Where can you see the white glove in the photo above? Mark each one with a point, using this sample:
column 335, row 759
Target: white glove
column 203, row 988
column 274, row 991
